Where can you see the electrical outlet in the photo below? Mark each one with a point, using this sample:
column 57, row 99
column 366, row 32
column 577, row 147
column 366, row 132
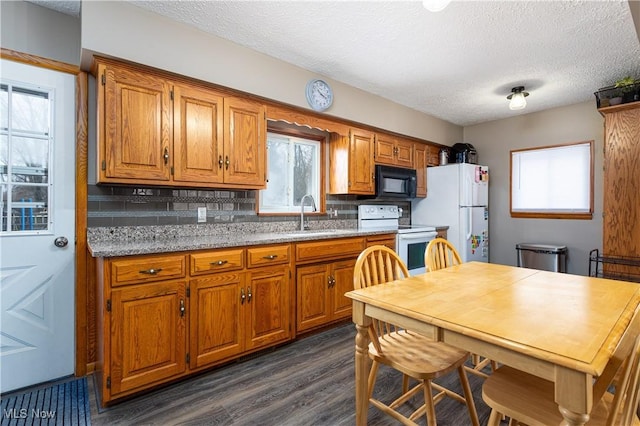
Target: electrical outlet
column 202, row 214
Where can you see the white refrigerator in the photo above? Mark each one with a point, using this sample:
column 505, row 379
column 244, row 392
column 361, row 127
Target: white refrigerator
column 458, row 196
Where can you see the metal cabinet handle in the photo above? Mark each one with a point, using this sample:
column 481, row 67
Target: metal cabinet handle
column 249, row 294
column 242, row 296
column 270, row 257
column 166, row 155
column 220, row 162
column 331, row 281
column 182, row 308
column 226, row 162
column 151, row 271
column 219, row 262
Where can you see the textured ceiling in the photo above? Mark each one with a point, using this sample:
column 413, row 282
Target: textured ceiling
column 458, row 64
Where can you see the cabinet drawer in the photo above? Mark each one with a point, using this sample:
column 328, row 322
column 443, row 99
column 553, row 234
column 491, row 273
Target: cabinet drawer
column 272, row 255
column 383, row 240
column 141, row 269
column 329, row 249
column 216, row 261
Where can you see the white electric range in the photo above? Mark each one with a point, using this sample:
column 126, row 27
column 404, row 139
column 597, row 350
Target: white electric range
column 411, row 240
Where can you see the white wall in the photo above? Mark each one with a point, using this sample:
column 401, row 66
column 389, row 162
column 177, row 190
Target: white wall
column 39, row 31
column 124, row 31
column 494, row 140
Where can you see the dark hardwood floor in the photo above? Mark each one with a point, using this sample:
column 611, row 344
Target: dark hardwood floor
column 307, row 382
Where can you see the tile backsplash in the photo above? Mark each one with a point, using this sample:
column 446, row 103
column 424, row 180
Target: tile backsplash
column 115, row 206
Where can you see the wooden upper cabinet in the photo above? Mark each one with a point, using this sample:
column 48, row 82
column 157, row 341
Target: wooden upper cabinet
column 621, row 204
column 393, row 151
column 433, row 155
column 245, row 143
column 160, row 131
column 136, row 140
column 420, row 151
column 198, row 135
column 351, row 168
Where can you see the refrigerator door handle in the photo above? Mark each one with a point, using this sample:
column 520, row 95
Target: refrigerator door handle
column 469, row 223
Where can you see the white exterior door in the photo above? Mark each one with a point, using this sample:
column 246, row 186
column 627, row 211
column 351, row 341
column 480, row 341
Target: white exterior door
column 37, row 179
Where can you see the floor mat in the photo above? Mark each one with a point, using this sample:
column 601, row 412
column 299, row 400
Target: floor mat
column 61, row 404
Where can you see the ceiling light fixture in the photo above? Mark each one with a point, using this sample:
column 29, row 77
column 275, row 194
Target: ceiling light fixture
column 517, row 98
column 435, row 5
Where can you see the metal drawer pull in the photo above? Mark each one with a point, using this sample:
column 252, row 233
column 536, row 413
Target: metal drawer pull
column 270, row 257
column 220, row 162
column 242, row 296
column 166, row 155
column 226, row 162
column 182, row 308
column 220, row 262
column 249, row 294
column 151, row 271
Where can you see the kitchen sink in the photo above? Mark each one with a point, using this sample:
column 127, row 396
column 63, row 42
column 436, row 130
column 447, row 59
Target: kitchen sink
column 319, row 233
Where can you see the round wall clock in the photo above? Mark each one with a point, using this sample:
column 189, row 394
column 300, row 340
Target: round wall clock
column 319, row 95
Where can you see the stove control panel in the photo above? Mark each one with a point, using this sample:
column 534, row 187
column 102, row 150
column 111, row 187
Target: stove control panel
column 373, row 211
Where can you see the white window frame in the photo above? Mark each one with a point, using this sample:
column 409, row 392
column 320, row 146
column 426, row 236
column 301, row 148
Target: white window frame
column 317, row 193
column 554, row 182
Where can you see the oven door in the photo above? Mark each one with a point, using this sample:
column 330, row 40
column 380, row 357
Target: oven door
column 411, row 248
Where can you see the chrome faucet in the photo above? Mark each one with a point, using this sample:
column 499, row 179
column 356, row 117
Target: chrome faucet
column 304, row 226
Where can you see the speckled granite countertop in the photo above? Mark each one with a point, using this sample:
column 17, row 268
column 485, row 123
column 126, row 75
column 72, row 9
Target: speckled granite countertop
column 128, row 241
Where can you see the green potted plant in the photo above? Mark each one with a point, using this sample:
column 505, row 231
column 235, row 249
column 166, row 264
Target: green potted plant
column 628, row 89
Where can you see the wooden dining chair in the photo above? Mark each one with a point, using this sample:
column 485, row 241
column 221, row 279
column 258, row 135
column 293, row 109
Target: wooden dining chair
column 529, row 400
column 440, row 254
column 410, row 353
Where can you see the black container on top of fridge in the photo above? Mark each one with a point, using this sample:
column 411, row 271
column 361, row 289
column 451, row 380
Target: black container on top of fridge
column 464, row 153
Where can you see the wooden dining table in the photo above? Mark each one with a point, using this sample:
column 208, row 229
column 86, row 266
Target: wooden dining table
column 561, row 327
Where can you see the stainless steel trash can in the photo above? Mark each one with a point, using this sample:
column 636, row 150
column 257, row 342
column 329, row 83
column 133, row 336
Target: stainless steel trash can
column 542, row 256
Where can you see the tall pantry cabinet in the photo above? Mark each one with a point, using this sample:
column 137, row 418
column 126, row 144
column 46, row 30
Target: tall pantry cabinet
column 621, row 233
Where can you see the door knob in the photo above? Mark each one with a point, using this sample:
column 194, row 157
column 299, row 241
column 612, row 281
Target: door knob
column 61, row 242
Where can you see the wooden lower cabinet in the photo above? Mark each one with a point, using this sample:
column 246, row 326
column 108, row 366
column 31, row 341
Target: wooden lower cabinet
column 232, row 313
column 320, row 293
column 146, row 337
column 165, row 316
column 215, row 318
column 268, row 307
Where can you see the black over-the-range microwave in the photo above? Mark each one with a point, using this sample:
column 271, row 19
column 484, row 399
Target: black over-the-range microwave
column 395, row 182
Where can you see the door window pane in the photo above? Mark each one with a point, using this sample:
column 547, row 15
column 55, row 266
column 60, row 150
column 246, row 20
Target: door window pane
column 4, row 107
column 30, row 160
column 30, row 111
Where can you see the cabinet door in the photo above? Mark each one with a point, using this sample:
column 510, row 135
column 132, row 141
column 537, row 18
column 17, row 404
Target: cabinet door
column 621, row 227
column 385, row 150
column 361, row 179
column 312, row 297
column 421, row 169
column 342, row 274
column 197, row 139
column 268, row 307
column 137, row 125
column 404, row 153
column 433, row 156
column 147, row 334
column 245, row 143
column 216, row 318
